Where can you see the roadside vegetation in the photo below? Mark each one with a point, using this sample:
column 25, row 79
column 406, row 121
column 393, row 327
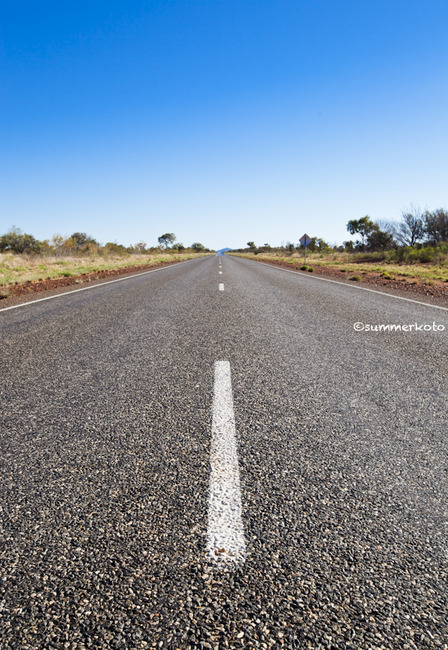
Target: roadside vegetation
column 25, row 260
column 415, row 249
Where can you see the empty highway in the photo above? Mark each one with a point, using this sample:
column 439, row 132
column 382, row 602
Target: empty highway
column 223, row 454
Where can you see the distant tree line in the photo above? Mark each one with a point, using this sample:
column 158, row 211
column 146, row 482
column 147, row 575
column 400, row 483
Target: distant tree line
column 415, row 228
column 79, row 243
column 316, row 244
column 416, row 237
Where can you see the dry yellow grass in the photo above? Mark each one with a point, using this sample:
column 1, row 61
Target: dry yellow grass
column 428, row 273
column 20, row 269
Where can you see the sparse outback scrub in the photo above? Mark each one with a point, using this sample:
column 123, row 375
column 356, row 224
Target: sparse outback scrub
column 411, row 269
column 21, row 269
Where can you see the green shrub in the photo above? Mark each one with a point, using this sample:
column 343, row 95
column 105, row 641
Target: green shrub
column 304, row 267
column 426, row 254
column 391, row 256
column 415, row 254
column 310, row 269
column 371, row 256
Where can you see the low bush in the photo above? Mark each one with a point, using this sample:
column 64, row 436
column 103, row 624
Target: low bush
column 416, row 254
column 426, row 254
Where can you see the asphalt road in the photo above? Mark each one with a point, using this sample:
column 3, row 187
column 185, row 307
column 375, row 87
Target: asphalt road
column 107, row 399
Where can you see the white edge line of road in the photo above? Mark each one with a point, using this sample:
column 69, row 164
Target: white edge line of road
column 95, row 286
column 221, row 286
column 226, row 545
column 351, row 286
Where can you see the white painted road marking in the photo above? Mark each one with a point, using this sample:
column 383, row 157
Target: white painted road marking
column 220, row 273
column 226, row 545
column 352, row 286
column 221, row 286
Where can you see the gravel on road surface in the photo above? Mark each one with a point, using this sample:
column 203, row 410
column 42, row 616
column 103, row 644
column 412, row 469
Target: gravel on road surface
column 106, row 400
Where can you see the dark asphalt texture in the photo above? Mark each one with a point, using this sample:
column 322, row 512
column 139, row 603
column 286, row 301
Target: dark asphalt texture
column 106, row 399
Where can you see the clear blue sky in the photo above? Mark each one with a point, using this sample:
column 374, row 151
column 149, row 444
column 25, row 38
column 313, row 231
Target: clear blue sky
column 222, row 121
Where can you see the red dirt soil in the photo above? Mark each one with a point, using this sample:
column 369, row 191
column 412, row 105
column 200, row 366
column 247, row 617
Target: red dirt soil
column 438, row 289
column 54, row 283
column 416, row 286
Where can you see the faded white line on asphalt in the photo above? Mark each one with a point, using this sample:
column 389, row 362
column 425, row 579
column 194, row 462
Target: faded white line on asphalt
column 221, row 286
column 220, row 273
column 95, row 286
column 352, row 286
column 226, row 545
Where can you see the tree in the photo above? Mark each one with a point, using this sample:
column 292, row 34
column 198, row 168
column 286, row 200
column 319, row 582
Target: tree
column 57, row 244
column 139, row 247
column 167, row 239
column 411, row 229
column 197, row 247
column 311, row 246
column 378, row 240
column 45, row 248
column 17, row 242
column 436, row 225
column 69, row 246
column 322, row 245
column 112, row 248
column 362, row 226
column 251, row 244
column 82, row 240
column 387, row 226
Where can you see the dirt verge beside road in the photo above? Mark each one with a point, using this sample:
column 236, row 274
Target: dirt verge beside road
column 55, row 283
column 414, row 286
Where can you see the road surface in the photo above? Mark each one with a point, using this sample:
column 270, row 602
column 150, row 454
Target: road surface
column 211, row 456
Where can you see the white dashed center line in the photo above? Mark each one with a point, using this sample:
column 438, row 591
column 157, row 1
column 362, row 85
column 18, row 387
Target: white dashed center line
column 221, row 286
column 226, row 546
